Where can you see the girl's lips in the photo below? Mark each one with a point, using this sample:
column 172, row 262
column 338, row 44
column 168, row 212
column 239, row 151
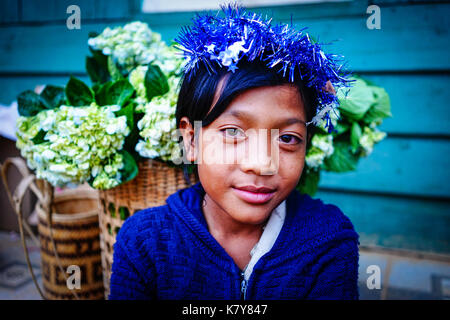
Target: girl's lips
column 253, row 197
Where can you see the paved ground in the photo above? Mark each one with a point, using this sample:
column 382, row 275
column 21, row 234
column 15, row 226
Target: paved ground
column 402, row 275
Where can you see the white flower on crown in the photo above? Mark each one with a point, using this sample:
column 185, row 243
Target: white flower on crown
column 230, row 54
column 317, row 119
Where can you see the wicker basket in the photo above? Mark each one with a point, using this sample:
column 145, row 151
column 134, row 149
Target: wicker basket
column 72, row 237
column 153, row 184
column 76, row 235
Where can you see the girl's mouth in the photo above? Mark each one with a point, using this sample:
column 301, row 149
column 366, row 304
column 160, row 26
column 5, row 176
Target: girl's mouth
column 254, row 197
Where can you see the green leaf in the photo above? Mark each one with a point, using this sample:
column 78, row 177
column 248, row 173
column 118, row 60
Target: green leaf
column 90, row 181
column 92, row 34
column 130, row 169
column 355, row 135
column 358, row 100
column 96, row 87
column 309, row 182
column 155, row 82
column 101, row 59
column 39, row 138
column 381, row 108
column 101, row 95
column 133, row 137
column 342, row 159
column 96, row 71
column 341, row 127
column 119, row 92
column 127, row 111
column 29, row 103
column 113, row 69
column 78, row 93
column 53, row 96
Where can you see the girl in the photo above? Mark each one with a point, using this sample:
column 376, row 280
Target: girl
column 249, row 95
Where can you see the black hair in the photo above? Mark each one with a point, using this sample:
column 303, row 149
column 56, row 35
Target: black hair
column 197, row 92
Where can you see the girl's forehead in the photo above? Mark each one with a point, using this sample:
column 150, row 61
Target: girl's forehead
column 280, row 119
column 267, row 103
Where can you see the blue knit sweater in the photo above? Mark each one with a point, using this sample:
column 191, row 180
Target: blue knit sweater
column 167, row 252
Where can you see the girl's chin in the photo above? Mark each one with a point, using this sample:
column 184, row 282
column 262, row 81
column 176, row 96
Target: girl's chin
column 251, row 215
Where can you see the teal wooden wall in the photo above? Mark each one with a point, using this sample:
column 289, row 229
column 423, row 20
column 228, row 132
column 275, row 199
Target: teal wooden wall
column 400, row 196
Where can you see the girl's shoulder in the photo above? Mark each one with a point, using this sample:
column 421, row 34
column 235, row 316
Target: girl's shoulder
column 321, row 218
column 143, row 225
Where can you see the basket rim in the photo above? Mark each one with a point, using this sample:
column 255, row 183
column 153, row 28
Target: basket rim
column 71, row 194
column 65, row 217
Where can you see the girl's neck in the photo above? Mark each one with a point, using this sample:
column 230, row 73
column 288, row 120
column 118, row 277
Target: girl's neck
column 222, row 225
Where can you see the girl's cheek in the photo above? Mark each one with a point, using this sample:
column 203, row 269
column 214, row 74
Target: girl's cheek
column 214, row 151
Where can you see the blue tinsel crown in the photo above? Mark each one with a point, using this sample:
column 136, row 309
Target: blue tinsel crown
column 223, row 41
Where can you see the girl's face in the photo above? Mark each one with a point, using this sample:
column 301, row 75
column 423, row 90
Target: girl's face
column 258, row 141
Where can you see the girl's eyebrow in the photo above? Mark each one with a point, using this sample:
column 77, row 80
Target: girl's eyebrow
column 248, row 116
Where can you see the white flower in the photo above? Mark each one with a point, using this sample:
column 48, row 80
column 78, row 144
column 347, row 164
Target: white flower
column 84, row 165
column 58, row 167
column 315, row 158
column 92, row 42
column 166, row 125
column 48, row 155
column 73, row 153
column 324, row 143
column 368, row 139
column 49, row 120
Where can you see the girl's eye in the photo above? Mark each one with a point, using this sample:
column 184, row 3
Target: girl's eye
column 290, row 139
column 231, row 132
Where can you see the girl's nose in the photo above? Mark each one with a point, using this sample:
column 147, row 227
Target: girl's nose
column 261, row 155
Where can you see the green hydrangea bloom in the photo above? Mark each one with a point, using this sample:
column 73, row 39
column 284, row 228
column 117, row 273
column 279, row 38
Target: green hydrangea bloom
column 158, row 126
column 137, row 78
column 80, row 143
column 135, row 44
column 369, row 137
column 321, row 148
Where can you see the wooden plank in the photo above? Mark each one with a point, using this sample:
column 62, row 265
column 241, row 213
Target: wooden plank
column 418, row 103
column 399, row 166
column 46, row 49
column 116, row 9
column 396, row 222
column 398, row 45
column 410, row 38
column 56, row 10
column 281, row 12
column 406, row 2
column 9, row 11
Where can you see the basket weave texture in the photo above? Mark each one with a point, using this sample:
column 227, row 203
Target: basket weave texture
column 76, row 234
column 151, row 187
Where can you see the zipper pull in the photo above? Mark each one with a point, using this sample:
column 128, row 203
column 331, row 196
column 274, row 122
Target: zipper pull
column 243, row 286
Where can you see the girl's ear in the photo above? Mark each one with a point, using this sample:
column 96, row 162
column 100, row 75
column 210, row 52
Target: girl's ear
column 329, row 88
column 187, row 131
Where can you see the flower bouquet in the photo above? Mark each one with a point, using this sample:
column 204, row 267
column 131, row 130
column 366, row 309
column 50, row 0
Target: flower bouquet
column 362, row 109
column 99, row 133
